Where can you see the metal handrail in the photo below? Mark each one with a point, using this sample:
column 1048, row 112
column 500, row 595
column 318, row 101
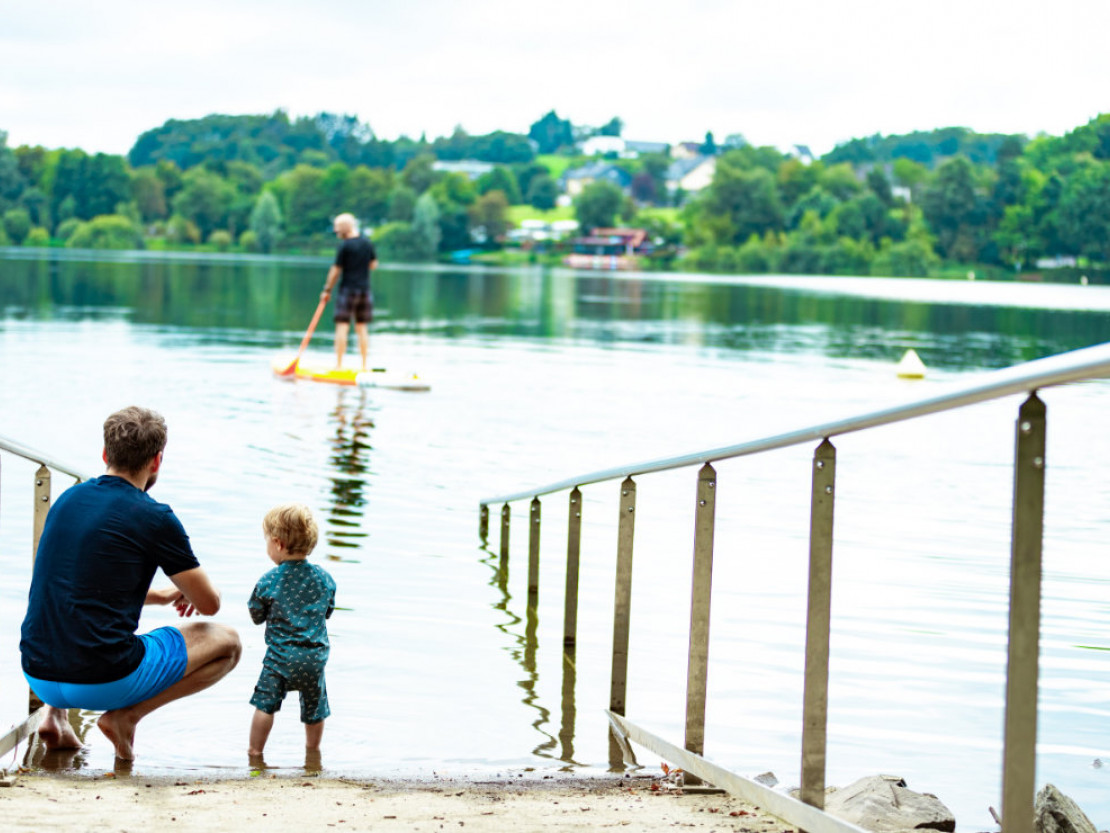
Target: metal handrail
column 41, row 506
column 1078, row 365
column 35, row 456
column 1027, row 533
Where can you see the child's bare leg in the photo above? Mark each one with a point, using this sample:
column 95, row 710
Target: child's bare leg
column 313, row 732
column 55, row 731
column 261, row 724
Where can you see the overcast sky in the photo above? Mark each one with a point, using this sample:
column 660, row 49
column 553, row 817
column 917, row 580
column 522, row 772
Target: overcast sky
column 97, row 74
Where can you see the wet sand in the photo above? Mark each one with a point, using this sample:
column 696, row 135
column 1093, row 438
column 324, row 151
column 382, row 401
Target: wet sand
column 60, row 802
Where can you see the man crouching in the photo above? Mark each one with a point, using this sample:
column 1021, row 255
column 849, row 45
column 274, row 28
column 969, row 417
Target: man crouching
column 102, row 543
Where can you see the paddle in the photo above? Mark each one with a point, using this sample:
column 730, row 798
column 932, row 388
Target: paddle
column 292, row 368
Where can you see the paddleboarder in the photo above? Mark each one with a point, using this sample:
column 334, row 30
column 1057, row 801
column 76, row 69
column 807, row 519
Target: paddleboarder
column 355, row 259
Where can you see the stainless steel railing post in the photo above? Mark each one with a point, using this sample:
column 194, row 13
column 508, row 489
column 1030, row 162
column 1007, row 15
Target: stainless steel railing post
column 574, row 548
column 815, row 696
column 697, row 669
column 1019, row 755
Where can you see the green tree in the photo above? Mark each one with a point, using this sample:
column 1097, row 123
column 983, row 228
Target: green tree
column 369, row 191
column 502, row 179
column 489, row 216
column 737, row 204
column 17, row 224
column 401, row 204
column 266, row 222
column 418, row 173
column 204, row 199
column 425, row 226
column 551, row 133
column 308, row 210
column 12, row 181
column 953, row 210
column 598, row 205
column 149, row 193
column 612, row 127
column 1084, row 211
column 543, row 192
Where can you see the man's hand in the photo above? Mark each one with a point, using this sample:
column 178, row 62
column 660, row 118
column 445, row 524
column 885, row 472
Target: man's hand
column 171, row 595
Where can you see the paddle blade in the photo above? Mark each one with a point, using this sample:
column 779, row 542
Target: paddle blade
column 284, row 368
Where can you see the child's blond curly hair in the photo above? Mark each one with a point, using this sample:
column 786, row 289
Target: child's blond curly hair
column 293, row 525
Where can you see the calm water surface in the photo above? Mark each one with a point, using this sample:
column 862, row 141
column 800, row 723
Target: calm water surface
column 437, row 666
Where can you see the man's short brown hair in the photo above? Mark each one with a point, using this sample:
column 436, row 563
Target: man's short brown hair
column 293, row 525
column 133, row 437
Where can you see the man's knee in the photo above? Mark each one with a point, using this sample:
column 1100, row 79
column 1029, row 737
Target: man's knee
column 206, row 642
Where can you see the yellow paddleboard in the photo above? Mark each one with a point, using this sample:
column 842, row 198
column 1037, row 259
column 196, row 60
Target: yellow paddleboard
column 317, row 371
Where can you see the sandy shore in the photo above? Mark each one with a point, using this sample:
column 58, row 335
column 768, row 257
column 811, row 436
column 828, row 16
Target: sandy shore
column 56, row 802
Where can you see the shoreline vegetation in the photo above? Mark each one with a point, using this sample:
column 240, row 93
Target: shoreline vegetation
column 943, row 203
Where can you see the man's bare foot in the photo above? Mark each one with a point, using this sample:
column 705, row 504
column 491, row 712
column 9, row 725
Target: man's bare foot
column 55, row 731
column 120, row 730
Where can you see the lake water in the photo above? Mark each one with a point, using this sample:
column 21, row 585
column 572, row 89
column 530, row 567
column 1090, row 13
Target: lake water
column 437, row 666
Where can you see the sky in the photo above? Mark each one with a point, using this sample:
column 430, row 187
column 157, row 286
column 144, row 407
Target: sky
column 95, row 75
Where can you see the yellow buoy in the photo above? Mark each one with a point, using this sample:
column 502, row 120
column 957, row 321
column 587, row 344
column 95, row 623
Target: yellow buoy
column 911, row 366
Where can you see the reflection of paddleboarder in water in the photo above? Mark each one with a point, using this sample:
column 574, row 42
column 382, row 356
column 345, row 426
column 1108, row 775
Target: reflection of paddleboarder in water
column 354, row 260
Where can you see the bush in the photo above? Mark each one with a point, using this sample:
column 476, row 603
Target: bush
column 181, row 230
column 909, row 259
column 4, row 241
column 38, row 236
column 755, row 257
column 108, row 231
column 220, row 240
column 65, row 228
column 17, row 223
column 400, row 241
column 248, row 241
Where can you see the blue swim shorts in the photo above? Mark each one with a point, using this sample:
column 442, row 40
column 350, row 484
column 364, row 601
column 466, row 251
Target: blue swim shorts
column 162, row 666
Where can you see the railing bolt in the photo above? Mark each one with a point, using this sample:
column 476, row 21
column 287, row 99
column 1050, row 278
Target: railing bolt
column 578, row 514
column 701, row 503
column 1038, row 462
column 820, row 464
column 828, row 490
column 631, row 508
column 38, row 482
column 624, row 493
column 1026, row 427
column 712, row 484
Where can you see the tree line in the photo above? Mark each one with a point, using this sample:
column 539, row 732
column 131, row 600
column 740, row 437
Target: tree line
column 897, row 205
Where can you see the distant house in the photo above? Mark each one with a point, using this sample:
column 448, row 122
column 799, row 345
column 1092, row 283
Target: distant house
column 802, row 153
column 609, row 248
column 691, row 174
column 686, row 150
column 600, row 145
column 634, row 149
column 575, row 180
column 536, row 231
column 471, row 168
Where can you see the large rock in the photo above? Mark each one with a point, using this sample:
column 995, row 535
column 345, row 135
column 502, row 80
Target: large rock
column 1054, row 812
column 882, row 803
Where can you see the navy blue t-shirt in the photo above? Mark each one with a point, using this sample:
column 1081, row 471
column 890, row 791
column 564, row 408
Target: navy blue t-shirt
column 103, row 541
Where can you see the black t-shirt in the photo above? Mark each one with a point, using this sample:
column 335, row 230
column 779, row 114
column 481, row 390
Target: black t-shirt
column 353, row 257
column 102, row 544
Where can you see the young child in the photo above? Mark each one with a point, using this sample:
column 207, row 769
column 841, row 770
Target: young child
column 294, row 600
